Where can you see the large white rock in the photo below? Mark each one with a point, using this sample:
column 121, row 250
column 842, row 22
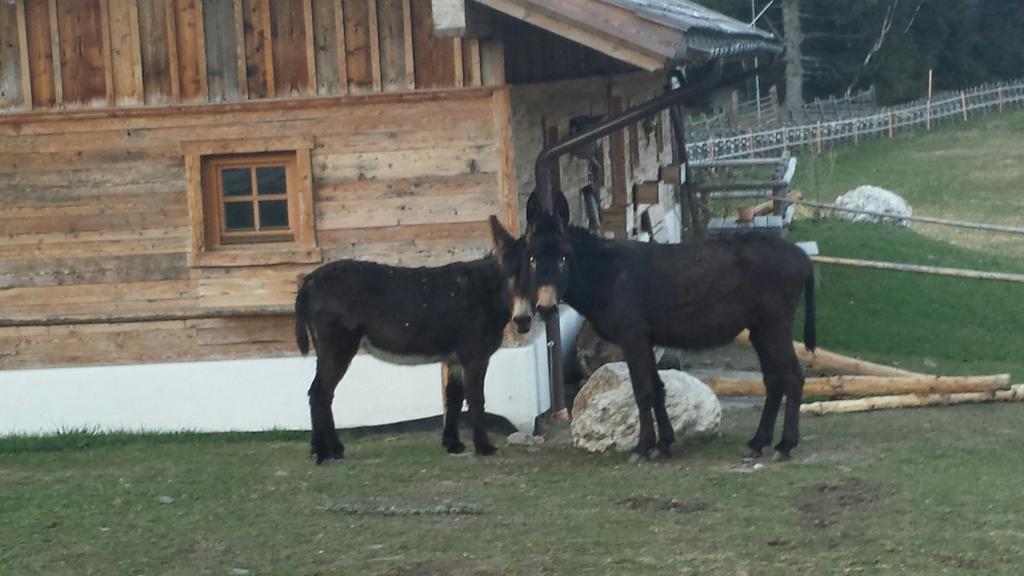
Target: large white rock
column 874, row 199
column 604, row 414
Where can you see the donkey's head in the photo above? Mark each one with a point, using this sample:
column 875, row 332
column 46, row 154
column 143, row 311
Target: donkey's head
column 547, row 255
column 508, row 251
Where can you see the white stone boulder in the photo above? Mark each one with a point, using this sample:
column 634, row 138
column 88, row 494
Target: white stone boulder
column 604, row 414
column 874, row 199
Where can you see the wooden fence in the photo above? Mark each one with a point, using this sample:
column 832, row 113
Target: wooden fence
column 887, row 122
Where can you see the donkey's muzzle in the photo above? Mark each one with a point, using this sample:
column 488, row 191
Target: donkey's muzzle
column 522, row 315
column 547, row 299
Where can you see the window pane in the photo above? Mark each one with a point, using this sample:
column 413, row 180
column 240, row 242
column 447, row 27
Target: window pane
column 237, row 181
column 238, row 216
column 270, row 180
column 274, row 214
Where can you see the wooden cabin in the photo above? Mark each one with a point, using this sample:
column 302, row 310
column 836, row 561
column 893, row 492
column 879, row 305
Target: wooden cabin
column 169, row 167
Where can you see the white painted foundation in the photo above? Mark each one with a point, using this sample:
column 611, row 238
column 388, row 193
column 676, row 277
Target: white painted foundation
column 263, row 394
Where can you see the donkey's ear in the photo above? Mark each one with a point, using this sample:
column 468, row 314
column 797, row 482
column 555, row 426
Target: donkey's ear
column 561, row 207
column 501, row 238
column 533, row 209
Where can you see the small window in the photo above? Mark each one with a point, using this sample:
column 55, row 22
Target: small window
column 251, row 203
column 247, row 198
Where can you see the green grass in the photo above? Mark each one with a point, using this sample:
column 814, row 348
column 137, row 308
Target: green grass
column 933, row 324
column 903, row 492
column 926, row 323
column 972, row 171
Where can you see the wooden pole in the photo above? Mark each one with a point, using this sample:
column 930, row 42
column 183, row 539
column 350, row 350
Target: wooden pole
column 856, row 130
column 999, row 91
column 925, row 219
column 957, row 272
column 929, row 107
column 1014, row 394
column 890, row 125
column 822, row 359
column 818, row 137
column 963, row 104
column 867, row 386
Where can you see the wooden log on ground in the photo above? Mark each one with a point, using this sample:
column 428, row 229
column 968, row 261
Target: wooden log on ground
column 1014, row 394
column 866, row 386
column 939, row 271
column 824, row 360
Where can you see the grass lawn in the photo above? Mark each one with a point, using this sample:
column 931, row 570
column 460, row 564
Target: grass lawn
column 923, row 491
column 972, row 171
column 932, row 324
column 926, row 323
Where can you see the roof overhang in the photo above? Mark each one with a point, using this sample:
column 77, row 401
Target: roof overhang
column 649, row 34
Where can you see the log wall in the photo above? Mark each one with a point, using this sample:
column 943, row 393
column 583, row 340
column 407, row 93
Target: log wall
column 94, row 221
column 65, row 54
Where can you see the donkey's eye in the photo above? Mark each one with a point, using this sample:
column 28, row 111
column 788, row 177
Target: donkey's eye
column 564, row 259
column 533, row 259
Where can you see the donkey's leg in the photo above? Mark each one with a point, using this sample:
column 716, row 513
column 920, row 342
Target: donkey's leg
column 773, row 392
column 454, row 392
column 473, row 377
column 791, row 378
column 337, row 347
column 666, row 435
column 640, row 359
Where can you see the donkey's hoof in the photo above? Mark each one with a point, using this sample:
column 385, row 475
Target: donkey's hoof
column 661, row 453
column 455, row 447
column 636, row 458
column 781, row 457
column 752, row 454
column 485, row 449
column 328, row 460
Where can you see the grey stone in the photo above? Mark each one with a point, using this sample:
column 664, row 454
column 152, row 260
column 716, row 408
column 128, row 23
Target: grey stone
column 604, row 415
column 874, row 199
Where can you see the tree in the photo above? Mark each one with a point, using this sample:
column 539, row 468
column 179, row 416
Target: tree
column 794, row 65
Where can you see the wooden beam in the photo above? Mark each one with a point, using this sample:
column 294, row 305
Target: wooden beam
column 243, row 75
column 471, row 57
column 1014, row 394
column 172, row 50
column 826, row 360
column 339, row 11
column 307, row 21
column 268, row 48
column 26, row 71
column 58, row 75
column 508, row 186
column 865, row 386
column 108, row 61
column 956, row 272
column 556, row 23
column 375, row 62
column 460, row 79
column 410, row 60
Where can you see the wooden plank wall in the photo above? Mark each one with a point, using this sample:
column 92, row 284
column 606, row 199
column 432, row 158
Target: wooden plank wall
column 94, row 219
column 104, row 53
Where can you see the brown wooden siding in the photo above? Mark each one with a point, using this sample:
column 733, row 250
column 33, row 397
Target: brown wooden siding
column 94, row 221
column 94, row 53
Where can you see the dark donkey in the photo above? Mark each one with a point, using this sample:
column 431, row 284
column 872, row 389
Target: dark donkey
column 454, row 314
column 695, row 295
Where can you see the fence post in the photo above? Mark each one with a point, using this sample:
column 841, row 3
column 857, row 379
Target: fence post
column 856, row 130
column 928, row 109
column 750, row 141
column 963, row 104
column 785, row 140
column 818, row 137
column 890, row 125
column 1000, row 93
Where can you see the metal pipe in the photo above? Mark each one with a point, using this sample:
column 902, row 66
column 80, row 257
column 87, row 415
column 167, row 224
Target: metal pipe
column 550, row 153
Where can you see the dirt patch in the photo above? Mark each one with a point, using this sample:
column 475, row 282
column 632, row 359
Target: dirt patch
column 663, row 505
column 824, row 504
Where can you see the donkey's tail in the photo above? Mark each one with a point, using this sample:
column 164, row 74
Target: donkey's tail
column 302, row 327
column 810, row 327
